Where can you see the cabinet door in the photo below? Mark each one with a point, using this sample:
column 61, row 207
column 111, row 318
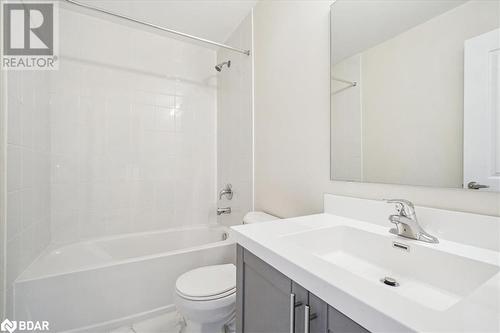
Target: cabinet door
column 340, row 323
column 263, row 296
column 310, row 311
column 318, row 315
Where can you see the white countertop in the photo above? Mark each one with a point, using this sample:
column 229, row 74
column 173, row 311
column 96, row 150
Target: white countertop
column 370, row 303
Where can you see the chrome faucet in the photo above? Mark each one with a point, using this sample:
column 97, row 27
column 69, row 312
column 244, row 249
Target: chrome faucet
column 226, row 210
column 406, row 222
column 226, row 191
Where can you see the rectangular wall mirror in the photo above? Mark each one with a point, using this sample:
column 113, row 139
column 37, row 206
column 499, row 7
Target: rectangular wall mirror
column 415, row 91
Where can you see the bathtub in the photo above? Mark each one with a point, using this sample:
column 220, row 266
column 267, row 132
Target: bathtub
column 97, row 284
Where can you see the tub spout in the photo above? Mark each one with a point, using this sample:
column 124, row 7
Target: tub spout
column 226, row 210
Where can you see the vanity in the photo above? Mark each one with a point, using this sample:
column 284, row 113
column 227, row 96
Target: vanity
column 270, row 301
column 343, row 271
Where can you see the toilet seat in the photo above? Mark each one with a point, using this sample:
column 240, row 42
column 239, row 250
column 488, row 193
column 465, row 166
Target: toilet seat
column 207, row 298
column 207, row 283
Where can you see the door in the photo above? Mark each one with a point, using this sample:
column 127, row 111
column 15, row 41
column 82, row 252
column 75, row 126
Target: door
column 482, row 111
column 264, row 296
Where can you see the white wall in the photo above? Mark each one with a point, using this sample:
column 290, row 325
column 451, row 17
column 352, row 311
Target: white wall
column 28, row 175
column 292, row 105
column 234, row 125
column 133, row 124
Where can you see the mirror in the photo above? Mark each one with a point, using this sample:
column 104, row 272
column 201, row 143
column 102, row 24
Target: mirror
column 415, row 92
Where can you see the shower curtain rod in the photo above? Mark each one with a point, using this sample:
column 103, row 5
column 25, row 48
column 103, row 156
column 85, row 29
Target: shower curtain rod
column 207, row 41
column 351, row 83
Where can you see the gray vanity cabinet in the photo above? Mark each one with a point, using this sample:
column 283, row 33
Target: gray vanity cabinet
column 338, row 322
column 269, row 302
column 262, row 297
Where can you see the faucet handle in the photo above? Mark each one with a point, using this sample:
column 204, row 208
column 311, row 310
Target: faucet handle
column 226, row 191
column 404, row 207
column 401, row 201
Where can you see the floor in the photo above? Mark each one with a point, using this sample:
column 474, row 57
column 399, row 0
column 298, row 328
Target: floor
column 170, row 322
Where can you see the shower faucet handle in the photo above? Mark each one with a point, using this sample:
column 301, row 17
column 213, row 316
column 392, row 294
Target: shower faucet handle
column 226, row 191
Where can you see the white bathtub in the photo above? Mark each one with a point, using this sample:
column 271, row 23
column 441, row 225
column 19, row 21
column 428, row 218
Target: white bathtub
column 96, row 284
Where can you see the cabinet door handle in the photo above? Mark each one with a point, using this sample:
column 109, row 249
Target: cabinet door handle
column 308, row 317
column 307, row 311
column 292, row 313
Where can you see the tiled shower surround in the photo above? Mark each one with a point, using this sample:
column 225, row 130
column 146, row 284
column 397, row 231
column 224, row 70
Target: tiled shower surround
column 28, row 168
column 133, row 131
column 122, row 138
column 234, row 125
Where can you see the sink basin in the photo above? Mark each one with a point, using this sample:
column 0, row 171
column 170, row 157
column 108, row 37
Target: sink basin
column 430, row 277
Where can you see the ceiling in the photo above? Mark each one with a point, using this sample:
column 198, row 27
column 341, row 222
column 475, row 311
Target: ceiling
column 211, row 19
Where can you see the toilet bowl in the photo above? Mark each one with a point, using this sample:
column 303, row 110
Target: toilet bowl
column 206, row 296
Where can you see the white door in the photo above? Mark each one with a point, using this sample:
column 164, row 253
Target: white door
column 482, row 111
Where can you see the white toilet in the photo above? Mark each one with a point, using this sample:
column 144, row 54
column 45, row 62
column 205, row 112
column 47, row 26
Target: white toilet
column 206, row 296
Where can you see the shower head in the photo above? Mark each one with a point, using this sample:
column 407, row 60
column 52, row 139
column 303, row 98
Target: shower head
column 218, row 67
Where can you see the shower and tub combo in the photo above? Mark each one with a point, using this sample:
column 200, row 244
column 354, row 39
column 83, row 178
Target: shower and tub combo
column 100, row 284
column 123, row 279
column 138, row 130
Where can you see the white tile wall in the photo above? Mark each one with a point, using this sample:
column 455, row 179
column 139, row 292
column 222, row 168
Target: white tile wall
column 28, row 177
column 235, row 138
column 133, row 124
column 121, row 139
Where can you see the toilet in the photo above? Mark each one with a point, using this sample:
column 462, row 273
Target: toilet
column 206, row 296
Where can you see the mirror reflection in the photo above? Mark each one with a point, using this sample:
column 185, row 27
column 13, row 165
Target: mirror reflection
column 415, row 93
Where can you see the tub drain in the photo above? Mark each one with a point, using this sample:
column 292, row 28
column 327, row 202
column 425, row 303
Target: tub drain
column 389, row 281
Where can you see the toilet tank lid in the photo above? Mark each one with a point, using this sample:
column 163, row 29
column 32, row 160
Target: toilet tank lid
column 256, row 217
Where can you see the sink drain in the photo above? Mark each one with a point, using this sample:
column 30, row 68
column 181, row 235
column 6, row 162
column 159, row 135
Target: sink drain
column 389, row 281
